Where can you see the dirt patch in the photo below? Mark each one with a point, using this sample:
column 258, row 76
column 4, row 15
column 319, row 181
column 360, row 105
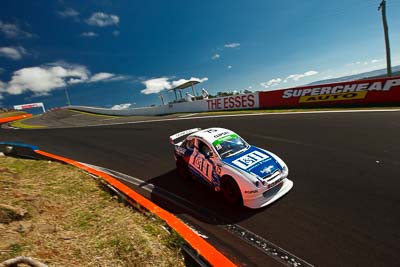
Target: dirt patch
column 10, row 213
column 62, row 217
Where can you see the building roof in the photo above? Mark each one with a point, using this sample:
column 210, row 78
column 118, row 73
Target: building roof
column 185, row 85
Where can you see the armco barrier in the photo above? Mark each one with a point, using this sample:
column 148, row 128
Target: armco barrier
column 379, row 91
column 14, row 118
column 362, row 92
column 202, row 247
column 235, row 102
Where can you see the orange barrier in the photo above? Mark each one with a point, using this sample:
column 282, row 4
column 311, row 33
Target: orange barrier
column 205, row 249
column 14, row 118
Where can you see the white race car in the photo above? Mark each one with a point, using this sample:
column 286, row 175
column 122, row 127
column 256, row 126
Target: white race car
column 221, row 159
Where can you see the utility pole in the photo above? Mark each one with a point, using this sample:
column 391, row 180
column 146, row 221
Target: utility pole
column 162, row 99
column 382, row 7
column 67, row 96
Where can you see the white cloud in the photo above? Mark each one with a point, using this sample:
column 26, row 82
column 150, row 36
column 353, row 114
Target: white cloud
column 68, row 12
column 229, row 67
column 101, row 76
column 116, row 33
column 121, row 106
column 42, row 79
column 89, row 34
column 101, row 19
column 154, row 86
column 182, row 81
column 367, row 62
column 118, row 78
column 215, row 56
column 232, row 45
column 358, row 67
column 296, row 77
column 13, row 31
column 272, row 82
column 14, row 53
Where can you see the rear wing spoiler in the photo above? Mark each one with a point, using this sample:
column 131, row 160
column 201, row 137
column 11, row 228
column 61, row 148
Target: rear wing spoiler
column 172, row 138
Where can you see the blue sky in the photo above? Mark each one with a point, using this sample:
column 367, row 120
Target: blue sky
column 123, row 52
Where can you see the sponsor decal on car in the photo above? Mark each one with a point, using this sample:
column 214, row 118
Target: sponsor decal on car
column 250, row 159
column 217, row 142
column 218, row 170
column 267, row 170
column 254, row 161
column 180, row 150
column 251, row 191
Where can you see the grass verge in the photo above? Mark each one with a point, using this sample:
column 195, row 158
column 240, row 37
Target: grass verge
column 68, row 220
column 94, row 114
column 21, row 124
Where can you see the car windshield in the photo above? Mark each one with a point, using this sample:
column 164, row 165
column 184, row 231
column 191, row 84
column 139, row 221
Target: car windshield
column 229, row 145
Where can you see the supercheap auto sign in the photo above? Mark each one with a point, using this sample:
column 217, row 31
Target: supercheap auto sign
column 385, row 90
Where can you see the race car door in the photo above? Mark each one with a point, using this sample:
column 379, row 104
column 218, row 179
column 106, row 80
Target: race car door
column 199, row 161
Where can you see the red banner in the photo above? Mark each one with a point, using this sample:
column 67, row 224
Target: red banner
column 371, row 91
column 247, row 101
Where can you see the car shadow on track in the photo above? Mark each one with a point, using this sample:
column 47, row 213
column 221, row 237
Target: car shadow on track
column 188, row 196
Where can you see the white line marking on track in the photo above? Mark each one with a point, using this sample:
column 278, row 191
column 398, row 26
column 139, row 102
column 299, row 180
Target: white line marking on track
column 187, row 115
column 110, row 119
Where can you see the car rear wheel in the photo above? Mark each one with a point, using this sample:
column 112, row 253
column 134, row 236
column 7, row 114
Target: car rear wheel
column 231, row 191
column 182, row 168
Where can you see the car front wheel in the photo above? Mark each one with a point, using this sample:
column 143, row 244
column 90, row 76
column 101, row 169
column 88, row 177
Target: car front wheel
column 231, row 191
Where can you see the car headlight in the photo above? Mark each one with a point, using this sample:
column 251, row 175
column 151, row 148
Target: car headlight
column 285, row 170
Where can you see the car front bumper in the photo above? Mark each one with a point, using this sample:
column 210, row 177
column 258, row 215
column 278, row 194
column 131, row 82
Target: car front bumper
column 265, row 198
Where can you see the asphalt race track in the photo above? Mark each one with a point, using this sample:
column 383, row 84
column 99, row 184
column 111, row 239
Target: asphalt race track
column 342, row 211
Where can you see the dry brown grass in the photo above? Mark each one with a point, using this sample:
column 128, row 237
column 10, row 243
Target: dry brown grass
column 72, row 222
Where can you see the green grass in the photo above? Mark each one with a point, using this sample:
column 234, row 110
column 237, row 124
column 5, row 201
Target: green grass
column 16, row 248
